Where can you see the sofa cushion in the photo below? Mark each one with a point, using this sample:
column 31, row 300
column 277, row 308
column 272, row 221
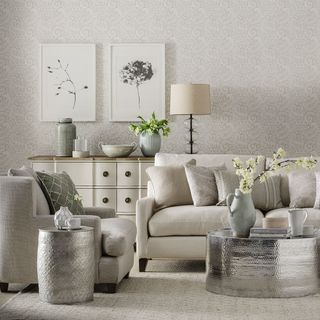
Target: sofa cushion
column 42, row 203
column 170, row 185
column 205, row 160
column 317, row 200
column 313, row 217
column 118, row 236
column 60, row 191
column 191, row 221
column 265, row 195
column 284, row 183
column 302, row 188
column 202, row 185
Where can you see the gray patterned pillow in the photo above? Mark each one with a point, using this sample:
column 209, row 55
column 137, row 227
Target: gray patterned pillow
column 60, row 191
column 265, row 196
column 202, row 184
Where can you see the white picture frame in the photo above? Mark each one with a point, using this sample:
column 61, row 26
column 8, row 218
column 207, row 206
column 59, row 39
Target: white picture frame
column 68, row 81
column 138, row 94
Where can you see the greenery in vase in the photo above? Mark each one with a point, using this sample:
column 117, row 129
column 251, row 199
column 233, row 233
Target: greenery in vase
column 246, row 171
column 151, row 126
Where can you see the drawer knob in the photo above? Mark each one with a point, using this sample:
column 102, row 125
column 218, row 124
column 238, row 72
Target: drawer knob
column 105, row 200
column 105, row 173
column 127, row 200
column 127, row 174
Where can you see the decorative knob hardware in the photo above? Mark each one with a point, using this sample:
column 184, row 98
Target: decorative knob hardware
column 105, row 200
column 127, row 200
column 105, row 173
column 127, row 174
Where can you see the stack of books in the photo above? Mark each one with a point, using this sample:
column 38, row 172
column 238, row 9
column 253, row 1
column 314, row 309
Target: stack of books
column 274, row 233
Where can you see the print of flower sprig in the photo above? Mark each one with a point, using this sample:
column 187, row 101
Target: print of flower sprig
column 65, row 84
column 135, row 73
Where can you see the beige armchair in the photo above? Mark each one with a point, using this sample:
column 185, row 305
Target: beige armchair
column 19, row 224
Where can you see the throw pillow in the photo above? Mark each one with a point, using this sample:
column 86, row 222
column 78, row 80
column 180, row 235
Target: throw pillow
column 202, row 184
column 265, row 196
column 170, row 185
column 61, row 191
column 317, row 201
column 42, row 203
column 302, row 188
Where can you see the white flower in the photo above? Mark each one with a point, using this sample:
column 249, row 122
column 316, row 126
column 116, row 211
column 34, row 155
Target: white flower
column 77, row 197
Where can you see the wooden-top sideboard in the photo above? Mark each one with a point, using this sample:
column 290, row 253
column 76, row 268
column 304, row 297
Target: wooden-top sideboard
column 102, row 181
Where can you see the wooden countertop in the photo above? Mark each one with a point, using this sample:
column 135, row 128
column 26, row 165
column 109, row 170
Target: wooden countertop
column 92, row 157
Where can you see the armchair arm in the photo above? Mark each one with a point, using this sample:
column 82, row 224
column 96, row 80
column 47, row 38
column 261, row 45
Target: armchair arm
column 144, row 211
column 103, row 213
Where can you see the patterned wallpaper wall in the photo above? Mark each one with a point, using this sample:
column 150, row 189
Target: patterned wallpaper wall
column 261, row 58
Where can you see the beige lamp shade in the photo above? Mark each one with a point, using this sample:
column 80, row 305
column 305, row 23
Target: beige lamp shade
column 190, row 99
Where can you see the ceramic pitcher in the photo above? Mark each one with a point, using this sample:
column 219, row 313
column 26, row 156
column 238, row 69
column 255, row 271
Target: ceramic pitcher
column 242, row 213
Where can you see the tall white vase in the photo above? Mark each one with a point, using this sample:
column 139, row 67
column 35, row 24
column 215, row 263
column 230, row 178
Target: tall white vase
column 242, row 213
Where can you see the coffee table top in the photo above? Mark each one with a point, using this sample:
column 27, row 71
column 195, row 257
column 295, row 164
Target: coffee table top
column 227, row 233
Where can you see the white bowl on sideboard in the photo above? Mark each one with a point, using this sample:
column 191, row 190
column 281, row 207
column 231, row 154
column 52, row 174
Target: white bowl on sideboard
column 117, row 150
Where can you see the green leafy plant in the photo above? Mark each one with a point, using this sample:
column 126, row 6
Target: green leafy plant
column 151, row 126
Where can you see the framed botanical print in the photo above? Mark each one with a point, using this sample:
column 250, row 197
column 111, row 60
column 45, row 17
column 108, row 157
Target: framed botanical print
column 137, row 81
column 68, row 82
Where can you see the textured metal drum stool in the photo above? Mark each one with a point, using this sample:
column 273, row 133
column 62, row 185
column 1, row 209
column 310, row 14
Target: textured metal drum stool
column 66, row 265
column 262, row 268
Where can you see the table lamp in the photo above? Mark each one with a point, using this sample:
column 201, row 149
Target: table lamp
column 190, row 99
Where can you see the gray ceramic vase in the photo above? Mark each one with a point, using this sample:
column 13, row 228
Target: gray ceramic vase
column 65, row 133
column 149, row 144
column 242, row 213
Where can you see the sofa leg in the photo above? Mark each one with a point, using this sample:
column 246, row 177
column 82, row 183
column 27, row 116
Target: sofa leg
column 143, row 264
column 127, row 276
column 4, row 286
column 106, row 287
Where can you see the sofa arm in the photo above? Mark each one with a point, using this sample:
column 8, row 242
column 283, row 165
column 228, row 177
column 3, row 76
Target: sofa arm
column 144, row 211
column 103, row 213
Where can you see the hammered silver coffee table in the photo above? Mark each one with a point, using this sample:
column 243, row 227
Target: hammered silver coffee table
column 264, row 268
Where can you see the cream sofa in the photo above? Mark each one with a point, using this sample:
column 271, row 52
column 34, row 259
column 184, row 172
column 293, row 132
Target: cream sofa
column 179, row 232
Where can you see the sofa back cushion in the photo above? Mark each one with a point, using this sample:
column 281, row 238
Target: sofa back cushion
column 42, row 203
column 170, row 185
column 205, row 160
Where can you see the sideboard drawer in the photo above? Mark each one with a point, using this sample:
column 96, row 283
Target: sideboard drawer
column 143, row 174
column 105, row 198
column 126, row 200
column 105, row 174
column 87, row 197
column 43, row 166
column 127, row 174
column 80, row 173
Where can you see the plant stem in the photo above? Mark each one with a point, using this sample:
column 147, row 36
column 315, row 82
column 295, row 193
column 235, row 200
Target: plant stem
column 137, row 86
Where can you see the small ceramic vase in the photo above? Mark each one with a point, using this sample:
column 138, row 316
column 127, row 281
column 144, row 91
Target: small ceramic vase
column 61, row 218
column 149, row 144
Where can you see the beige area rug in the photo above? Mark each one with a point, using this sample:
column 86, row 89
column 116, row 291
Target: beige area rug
column 170, row 290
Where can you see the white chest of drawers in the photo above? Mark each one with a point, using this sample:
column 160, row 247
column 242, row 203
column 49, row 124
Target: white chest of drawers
column 101, row 181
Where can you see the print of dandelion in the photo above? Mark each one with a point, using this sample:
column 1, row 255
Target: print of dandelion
column 135, row 73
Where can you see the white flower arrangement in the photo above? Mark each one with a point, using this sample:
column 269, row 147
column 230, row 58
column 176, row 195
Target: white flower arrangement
column 247, row 171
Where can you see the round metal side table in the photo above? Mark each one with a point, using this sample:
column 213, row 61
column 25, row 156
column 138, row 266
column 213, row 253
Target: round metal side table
column 66, row 265
column 263, row 268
